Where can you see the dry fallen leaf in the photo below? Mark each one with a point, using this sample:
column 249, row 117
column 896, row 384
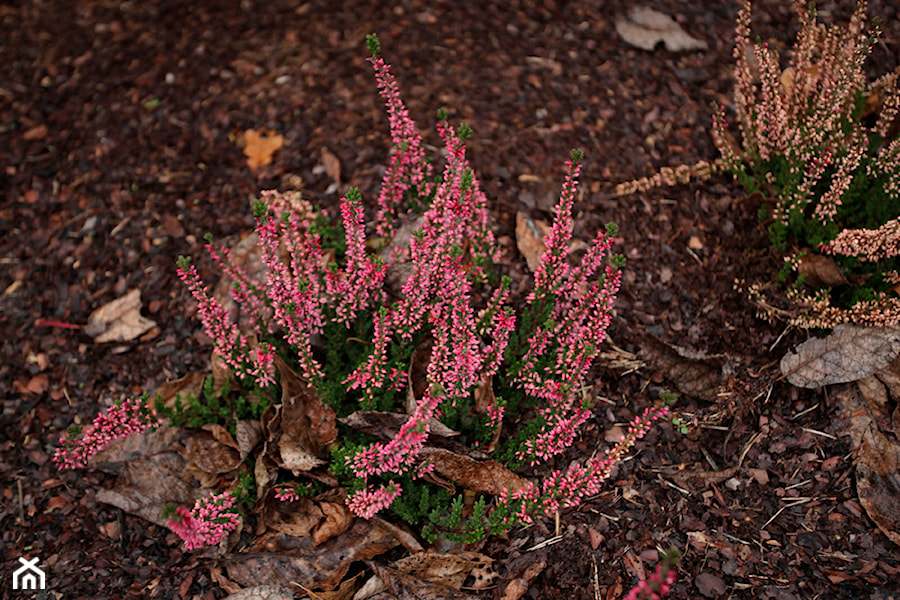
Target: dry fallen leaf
column 338, row 519
column 850, row 353
column 119, row 320
column 450, row 570
column 710, row 585
column 207, row 457
column 404, row 586
column 307, row 424
column 529, row 236
column 276, row 557
column 481, row 476
column 332, row 165
column 820, row 271
column 259, row 146
column 878, row 481
column 877, row 458
column 150, row 481
column 645, row 28
column 694, row 374
column 263, row 592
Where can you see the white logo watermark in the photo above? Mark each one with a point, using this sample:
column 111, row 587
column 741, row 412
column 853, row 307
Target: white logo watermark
column 29, row 576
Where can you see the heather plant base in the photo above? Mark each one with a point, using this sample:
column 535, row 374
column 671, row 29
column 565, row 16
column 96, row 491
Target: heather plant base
column 438, row 346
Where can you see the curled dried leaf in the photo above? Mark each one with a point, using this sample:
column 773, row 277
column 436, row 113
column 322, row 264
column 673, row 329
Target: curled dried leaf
column 645, row 28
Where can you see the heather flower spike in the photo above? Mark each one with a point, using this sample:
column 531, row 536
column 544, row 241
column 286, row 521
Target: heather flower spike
column 211, row 519
column 131, row 416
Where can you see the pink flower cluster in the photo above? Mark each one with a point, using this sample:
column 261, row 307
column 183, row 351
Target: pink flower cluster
column 582, row 304
column 656, row 586
column 569, row 488
column 366, row 503
column 212, row 518
column 870, row 245
column 292, row 493
column 230, row 345
column 409, row 173
column 131, row 416
column 445, row 263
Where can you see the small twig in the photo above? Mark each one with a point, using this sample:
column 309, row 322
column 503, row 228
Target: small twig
column 804, row 412
column 816, row 432
column 778, row 339
column 736, row 539
column 796, row 485
column 549, row 542
column 595, row 578
column 675, row 487
column 709, row 459
column 798, row 502
column 21, row 502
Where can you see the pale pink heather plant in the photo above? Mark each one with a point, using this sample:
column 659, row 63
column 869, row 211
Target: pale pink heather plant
column 800, row 113
column 212, row 518
column 870, row 245
column 132, row 416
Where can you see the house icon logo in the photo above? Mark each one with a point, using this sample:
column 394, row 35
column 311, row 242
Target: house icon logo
column 28, row 576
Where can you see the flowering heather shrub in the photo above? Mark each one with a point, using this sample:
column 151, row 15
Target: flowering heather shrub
column 821, row 141
column 415, row 329
column 211, row 519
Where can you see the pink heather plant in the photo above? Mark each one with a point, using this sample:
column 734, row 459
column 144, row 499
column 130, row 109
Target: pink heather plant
column 212, row 518
column 408, row 176
column 446, row 261
column 233, row 348
column 445, row 304
column 131, row 416
column 567, row 489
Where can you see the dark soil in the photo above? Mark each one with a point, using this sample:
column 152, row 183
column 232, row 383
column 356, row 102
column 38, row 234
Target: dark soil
column 117, row 130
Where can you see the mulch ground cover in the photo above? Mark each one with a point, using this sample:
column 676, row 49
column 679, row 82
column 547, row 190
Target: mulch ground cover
column 118, row 130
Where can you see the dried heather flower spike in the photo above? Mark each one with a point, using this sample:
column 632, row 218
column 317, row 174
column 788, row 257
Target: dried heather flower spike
column 212, row 518
column 409, row 172
column 132, row 416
